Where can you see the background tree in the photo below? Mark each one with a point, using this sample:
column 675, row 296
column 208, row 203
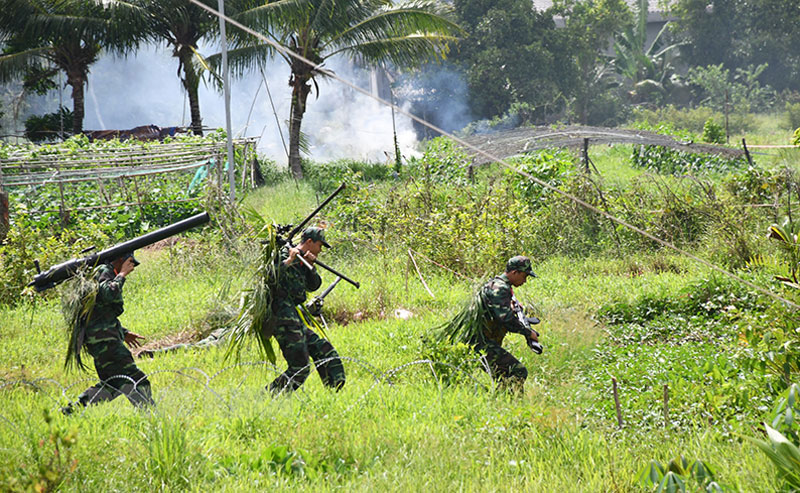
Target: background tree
column 43, row 37
column 376, row 31
column 513, row 54
column 181, row 25
column 741, row 33
column 590, row 27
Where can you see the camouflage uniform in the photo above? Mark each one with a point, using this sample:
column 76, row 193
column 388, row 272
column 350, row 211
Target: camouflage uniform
column 506, row 368
column 104, row 339
column 298, row 342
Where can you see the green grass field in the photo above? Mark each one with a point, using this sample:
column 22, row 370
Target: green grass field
column 395, row 426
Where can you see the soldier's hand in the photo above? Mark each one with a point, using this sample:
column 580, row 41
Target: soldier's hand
column 127, row 267
column 292, row 254
column 133, row 339
column 534, row 336
column 310, row 257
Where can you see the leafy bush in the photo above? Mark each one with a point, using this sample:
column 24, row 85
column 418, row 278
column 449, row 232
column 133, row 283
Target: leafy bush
column 50, row 127
column 444, row 161
column 676, row 474
column 713, row 132
column 26, row 241
column 326, row 177
column 793, row 115
column 690, row 119
column 552, row 167
column 670, row 161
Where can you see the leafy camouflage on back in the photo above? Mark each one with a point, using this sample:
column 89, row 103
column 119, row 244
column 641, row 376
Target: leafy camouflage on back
column 469, row 324
column 256, row 316
column 78, row 299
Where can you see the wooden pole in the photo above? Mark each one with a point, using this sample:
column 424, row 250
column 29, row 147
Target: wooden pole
column 666, row 405
column 3, row 215
column 138, row 198
column 616, row 402
column 747, row 152
column 586, row 155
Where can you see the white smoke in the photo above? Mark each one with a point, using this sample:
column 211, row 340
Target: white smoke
column 341, row 123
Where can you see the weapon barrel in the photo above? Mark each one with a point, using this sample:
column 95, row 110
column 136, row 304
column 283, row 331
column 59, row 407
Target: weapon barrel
column 334, row 271
column 328, row 290
column 65, row 270
column 314, row 213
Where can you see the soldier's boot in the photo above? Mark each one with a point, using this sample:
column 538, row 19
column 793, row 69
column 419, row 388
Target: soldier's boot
column 101, row 392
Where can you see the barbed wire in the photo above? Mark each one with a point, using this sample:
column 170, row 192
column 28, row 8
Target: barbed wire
column 465, row 372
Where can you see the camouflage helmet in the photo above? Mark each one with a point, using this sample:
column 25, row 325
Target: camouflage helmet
column 520, row 263
column 314, row 234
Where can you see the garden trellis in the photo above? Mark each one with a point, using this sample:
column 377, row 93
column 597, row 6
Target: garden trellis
column 116, row 177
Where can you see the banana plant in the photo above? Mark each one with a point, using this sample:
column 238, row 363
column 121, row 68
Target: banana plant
column 783, row 453
column 787, row 236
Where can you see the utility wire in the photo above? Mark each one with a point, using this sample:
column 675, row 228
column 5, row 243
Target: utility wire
column 318, row 68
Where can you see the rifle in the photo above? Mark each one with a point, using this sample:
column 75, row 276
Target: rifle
column 289, row 231
column 526, row 322
column 315, row 306
column 63, row 271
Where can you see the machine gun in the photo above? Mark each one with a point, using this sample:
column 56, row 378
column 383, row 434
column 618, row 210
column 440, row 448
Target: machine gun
column 526, row 322
column 63, row 271
column 286, row 232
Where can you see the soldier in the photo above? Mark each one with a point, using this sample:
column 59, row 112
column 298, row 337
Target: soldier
column 296, row 340
column 497, row 294
column 488, row 317
column 103, row 336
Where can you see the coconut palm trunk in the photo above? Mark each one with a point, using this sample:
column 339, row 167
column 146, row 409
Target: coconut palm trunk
column 300, row 90
column 77, row 82
column 191, row 82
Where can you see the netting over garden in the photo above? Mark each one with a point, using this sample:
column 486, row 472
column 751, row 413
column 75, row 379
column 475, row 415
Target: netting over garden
column 528, row 139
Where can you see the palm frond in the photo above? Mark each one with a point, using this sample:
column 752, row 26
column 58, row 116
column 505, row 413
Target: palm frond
column 16, row 65
column 403, row 51
column 396, row 22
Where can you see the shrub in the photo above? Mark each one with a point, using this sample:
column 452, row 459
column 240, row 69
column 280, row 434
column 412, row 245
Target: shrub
column 552, row 167
column 793, row 115
column 713, row 133
column 691, row 120
column 670, row 161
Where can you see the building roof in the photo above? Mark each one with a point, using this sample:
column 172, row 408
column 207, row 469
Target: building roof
column 653, row 5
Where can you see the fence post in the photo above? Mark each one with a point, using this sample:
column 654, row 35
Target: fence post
column 666, row 405
column 747, row 152
column 616, row 401
column 586, row 155
column 3, row 215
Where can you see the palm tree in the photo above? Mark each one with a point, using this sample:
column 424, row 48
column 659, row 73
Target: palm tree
column 42, row 37
column 182, row 25
column 375, row 31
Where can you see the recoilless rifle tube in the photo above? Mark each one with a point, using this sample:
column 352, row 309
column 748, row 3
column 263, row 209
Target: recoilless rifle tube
column 63, row 271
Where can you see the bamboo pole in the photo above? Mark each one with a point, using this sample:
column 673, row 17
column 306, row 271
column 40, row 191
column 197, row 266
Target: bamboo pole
column 616, row 401
column 420, row 274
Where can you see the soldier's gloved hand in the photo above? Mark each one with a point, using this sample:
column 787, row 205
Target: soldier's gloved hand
column 315, row 306
column 535, row 346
